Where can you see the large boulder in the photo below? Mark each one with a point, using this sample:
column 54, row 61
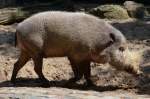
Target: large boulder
column 135, row 10
column 110, row 12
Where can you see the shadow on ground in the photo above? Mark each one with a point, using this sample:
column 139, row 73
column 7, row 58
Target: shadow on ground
column 32, row 82
column 143, row 86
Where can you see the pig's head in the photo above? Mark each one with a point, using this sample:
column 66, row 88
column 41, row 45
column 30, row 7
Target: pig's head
column 120, row 57
column 127, row 60
column 123, row 60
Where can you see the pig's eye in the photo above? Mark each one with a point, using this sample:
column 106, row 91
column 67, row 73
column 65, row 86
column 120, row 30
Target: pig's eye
column 121, row 48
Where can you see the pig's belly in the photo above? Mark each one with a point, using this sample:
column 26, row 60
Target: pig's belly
column 55, row 52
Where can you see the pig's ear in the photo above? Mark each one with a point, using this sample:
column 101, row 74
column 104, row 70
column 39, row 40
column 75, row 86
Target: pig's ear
column 112, row 36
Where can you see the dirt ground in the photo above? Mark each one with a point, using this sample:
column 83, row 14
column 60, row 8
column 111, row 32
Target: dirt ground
column 108, row 81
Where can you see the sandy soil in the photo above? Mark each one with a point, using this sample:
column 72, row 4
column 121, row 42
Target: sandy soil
column 108, row 81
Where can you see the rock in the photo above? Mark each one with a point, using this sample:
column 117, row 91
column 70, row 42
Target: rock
column 110, row 12
column 135, row 10
column 11, row 15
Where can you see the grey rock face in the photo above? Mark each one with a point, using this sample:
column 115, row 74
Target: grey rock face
column 135, row 10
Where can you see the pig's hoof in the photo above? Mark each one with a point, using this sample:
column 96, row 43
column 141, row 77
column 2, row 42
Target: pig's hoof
column 43, row 80
column 72, row 80
column 89, row 83
column 13, row 83
column 45, row 83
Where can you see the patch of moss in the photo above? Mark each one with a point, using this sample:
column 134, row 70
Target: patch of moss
column 110, row 12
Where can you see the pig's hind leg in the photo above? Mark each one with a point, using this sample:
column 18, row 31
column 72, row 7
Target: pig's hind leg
column 24, row 57
column 38, row 64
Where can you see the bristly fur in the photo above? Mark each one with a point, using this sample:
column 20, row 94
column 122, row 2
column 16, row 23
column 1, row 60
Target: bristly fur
column 80, row 37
